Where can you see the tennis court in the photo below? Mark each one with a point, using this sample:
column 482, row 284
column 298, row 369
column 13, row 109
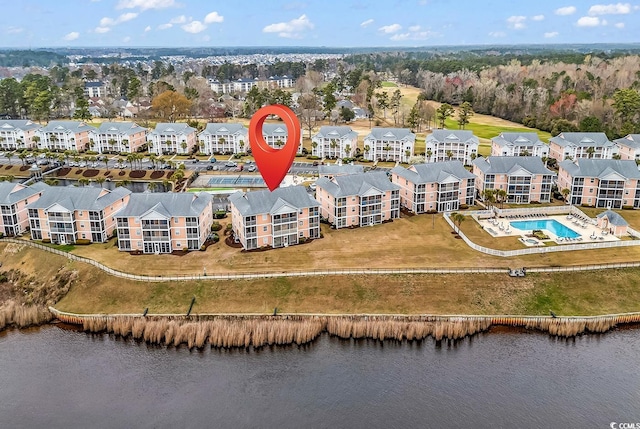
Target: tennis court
column 237, row 181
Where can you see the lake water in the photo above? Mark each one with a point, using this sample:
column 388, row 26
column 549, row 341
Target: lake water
column 57, row 378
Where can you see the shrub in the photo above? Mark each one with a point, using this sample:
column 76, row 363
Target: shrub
column 220, row 214
column 83, row 241
column 229, row 227
column 627, row 207
column 431, row 211
column 215, row 226
column 534, row 202
column 463, row 207
column 46, row 240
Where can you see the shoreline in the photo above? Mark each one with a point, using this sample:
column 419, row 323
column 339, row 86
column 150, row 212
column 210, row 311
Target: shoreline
column 259, row 330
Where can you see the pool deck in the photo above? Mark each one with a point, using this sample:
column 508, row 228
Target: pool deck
column 589, row 232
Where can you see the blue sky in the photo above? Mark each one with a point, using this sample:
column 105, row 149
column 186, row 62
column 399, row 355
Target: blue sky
column 339, row 23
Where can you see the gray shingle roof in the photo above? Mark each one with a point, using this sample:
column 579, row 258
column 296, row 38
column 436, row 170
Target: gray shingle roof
column 356, row 184
column 73, row 198
column 378, row 133
column 261, row 202
column 11, row 193
column 614, row 218
column 452, row 135
column 169, row 204
column 64, row 126
column 523, row 139
column 509, row 164
column 276, row 130
column 631, row 140
column 224, row 129
column 18, row 124
column 327, row 131
column 333, row 169
column 588, row 167
column 125, row 128
column 172, row 128
column 433, row 172
column 581, row 139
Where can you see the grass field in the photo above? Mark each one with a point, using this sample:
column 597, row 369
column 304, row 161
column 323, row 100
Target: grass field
column 409, row 242
column 586, row 293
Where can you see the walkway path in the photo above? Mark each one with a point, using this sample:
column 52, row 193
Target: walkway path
column 308, row 273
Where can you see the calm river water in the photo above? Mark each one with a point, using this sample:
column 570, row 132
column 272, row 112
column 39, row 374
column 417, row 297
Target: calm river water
column 57, row 378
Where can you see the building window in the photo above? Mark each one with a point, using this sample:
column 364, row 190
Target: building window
column 300, row 223
column 264, row 229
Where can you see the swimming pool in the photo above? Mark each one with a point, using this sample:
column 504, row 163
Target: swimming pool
column 550, row 225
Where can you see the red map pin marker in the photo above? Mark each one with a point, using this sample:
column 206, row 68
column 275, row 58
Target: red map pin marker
column 274, row 163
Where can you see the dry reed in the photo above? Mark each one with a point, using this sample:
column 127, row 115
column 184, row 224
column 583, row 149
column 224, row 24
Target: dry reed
column 22, row 316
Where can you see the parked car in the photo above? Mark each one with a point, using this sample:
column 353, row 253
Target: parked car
column 230, row 164
column 209, row 167
column 251, row 168
column 315, row 163
column 213, row 160
column 196, row 160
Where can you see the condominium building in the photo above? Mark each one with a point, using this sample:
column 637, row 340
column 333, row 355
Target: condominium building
column 225, row 138
column 118, row 137
column 14, row 199
column 629, row 146
column 172, row 138
column 451, row 145
column 17, row 134
column 389, row 144
column 581, row 145
column 333, row 170
column 358, row 199
column 275, row 135
column 438, row 186
column 334, row 142
column 524, row 178
column 64, row 215
column 519, row 144
column 605, row 183
column 165, row 222
column 64, row 135
column 278, row 219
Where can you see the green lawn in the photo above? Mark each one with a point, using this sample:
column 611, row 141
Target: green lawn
column 387, row 84
column 485, row 131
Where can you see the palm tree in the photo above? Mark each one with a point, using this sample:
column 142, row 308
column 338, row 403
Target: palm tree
column 367, row 148
column 386, row 148
column 347, row 149
column 502, row 196
column 457, row 218
column 22, row 156
column 83, row 181
column 221, row 142
column 106, row 161
column 489, row 196
column 590, row 151
column 183, row 145
column 19, row 143
column 125, row 143
column 429, row 154
column 168, row 186
column 51, row 181
column 333, row 145
column 35, row 139
column 100, row 180
column 565, row 193
column 525, row 152
column 201, row 146
column 9, row 155
column 449, row 154
column 314, row 145
column 112, row 143
column 241, row 144
column 152, row 186
column 130, row 159
column 279, row 143
column 152, row 159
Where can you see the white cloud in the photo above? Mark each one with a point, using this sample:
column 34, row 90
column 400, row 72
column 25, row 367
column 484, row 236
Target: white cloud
column 110, row 22
column 414, row 28
column 389, row 29
column 590, row 21
column 516, row 22
column 102, row 30
column 292, row 29
column 106, row 21
column 537, row 18
column 164, row 26
column 551, row 34
column 178, row 20
column 414, row 35
column 146, row 4
column 147, row 28
column 206, row 38
column 127, row 39
column 619, row 24
column 610, row 9
column 194, row 27
column 567, row 10
column 71, row 36
column 213, row 17
column 497, row 34
column 367, row 22
column 14, row 30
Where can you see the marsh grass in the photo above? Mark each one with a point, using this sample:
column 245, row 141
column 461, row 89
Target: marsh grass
column 22, row 316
